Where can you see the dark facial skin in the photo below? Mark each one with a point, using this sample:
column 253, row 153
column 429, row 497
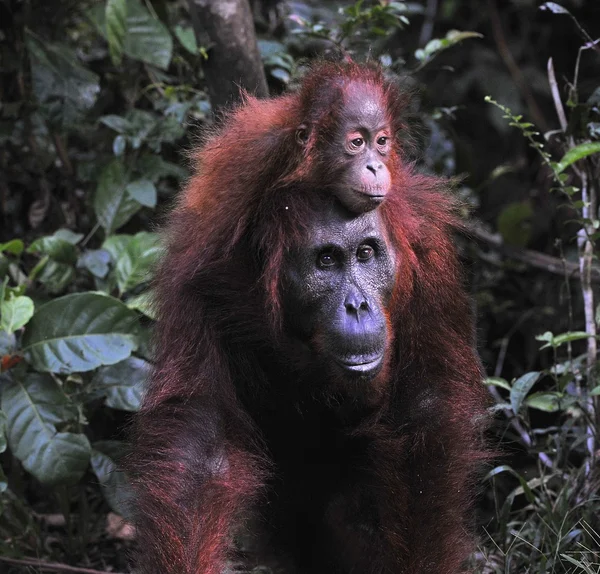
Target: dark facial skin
column 337, row 287
column 354, row 162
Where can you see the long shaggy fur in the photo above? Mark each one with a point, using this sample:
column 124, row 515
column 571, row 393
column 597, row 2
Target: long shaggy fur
column 201, row 462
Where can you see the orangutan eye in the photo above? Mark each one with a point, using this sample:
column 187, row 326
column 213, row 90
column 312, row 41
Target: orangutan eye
column 326, row 259
column 365, row 252
column 357, row 142
column 382, row 141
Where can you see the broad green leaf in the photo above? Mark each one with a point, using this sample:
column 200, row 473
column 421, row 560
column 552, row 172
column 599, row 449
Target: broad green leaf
column 113, row 205
column 187, row 38
column 95, row 261
column 68, row 235
column 80, row 332
column 54, row 276
column 116, row 28
column 577, row 153
column 147, row 38
column 14, row 246
column 15, row 312
column 144, row 303
column 595, row 391
column 33, row 406
column 116, row 489
column 116, row 245
column 497, row 382
column 117, row 123
column 137, row 260
column 154, row 167
column 437, row 45
column 143, row 191
column 549, row 402
column 569, row 336
column 55, row 270
column 122, row 384
column 136, row 126
column 64, row 89
column 56, row 247
column 558, row 340
column 520, row 388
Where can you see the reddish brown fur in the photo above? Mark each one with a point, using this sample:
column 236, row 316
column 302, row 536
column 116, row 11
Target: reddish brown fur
column 199, row 463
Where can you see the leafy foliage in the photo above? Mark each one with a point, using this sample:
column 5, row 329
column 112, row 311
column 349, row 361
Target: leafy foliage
column 97, row 106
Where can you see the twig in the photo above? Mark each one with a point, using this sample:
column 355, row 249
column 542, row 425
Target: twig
column 513, row 68
column 534, row 258
column 62, row 154
column 52, row 566
column 560, row 111
column 586, row 254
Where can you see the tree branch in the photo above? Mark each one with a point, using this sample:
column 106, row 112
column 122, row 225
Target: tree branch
column 226, row 29
column 533, row 258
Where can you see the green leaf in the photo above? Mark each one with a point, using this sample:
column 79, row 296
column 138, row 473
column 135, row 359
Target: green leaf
column 558, row 340
column 549, row 402
column 95, row 261
column 520, row 388
column 113, row 205
column 57, row 247
column 577, row 153
column 147, row 39
column 497, row 382
column 68, row 235
column 117, row 123
column 122, row 384
column 116, row 28
column 595, row 391
column 32, row 407
column 137, row 260
column 116, row 490
column 554, row 8
column 143, row 191
column 14, row 246
column 64, row 89
column 54, row 276
column 144, row 303
column 437, row 45
column 119, row 145
column 15, row 312
column 116, row 245
column 154, row 167
column 187, row 38
column 80, row 332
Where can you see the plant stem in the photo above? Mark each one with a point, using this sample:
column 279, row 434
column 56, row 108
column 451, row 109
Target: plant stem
column 586, row 254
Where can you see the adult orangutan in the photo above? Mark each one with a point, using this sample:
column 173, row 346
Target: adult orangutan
column 315, row 364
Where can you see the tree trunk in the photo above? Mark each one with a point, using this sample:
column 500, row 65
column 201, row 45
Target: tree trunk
column 226, row 28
